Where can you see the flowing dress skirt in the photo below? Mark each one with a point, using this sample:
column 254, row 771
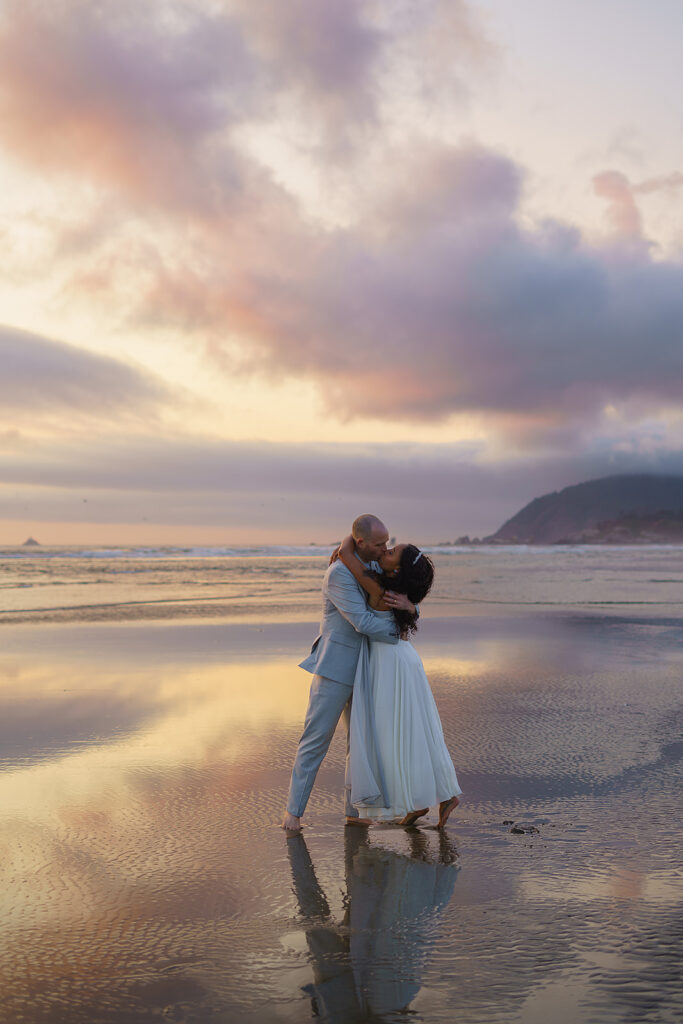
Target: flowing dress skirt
column 398, row 761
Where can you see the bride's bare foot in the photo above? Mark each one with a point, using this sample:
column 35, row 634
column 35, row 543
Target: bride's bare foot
column 445, row 809
column 411, row 818
column 359, row 821
column 291, row 823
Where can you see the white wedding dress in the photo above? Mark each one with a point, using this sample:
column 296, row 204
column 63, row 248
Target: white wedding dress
column 399, row 761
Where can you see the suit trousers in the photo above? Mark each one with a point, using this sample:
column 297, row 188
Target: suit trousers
column 327, row 703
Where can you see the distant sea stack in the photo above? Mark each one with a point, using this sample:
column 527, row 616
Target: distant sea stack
column 30, row 543
column 636, row 509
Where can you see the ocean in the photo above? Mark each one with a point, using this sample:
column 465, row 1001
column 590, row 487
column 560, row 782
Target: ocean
column 70, row 584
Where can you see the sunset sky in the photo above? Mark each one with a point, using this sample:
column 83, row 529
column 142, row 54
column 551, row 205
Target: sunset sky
column 268, row 264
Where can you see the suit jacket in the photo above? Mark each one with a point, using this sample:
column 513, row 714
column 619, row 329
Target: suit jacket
column 346, row 620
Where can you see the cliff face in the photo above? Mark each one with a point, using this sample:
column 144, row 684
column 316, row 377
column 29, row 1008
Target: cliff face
column 632, row 508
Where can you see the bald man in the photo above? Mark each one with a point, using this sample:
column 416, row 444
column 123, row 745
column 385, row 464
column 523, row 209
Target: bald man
column 333, row 660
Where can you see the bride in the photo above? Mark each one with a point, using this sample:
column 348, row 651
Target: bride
column 399, row 762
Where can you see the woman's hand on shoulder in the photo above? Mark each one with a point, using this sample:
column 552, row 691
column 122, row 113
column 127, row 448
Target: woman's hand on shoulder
column 347, row 546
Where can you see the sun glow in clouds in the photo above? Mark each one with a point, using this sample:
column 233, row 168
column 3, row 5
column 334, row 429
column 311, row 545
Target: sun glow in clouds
column 345, row 223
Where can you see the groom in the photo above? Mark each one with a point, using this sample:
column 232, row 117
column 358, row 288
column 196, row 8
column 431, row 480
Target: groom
column 333, row 659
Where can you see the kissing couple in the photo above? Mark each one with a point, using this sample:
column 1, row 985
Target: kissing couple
column 366, row 670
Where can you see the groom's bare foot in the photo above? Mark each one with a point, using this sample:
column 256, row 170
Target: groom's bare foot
column 291, row 823
column 445, row 809
column 412, row 817
column 359, row 821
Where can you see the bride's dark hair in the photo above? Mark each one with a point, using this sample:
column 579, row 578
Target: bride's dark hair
column 414, row 579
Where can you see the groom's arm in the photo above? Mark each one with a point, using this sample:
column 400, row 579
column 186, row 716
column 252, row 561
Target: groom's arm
column 344, row 594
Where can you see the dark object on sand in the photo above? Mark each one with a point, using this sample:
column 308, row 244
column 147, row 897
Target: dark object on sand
column 522, row 830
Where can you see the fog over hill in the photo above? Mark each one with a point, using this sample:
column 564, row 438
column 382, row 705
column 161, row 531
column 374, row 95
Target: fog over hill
column 636, row 508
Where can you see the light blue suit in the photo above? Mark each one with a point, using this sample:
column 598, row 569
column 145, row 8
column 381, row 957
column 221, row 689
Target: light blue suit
column 333, row 660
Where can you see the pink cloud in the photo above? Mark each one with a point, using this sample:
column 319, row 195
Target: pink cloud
column 438, row 299
column 663, row 183
column 144, row 104
column 622, row 211
column 104, row 92
column 143, row 99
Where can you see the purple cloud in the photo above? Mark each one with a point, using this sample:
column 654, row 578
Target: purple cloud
column 108, row 92
column 41, row 376
column 442, row 301
column 323, row 56
column 438, row 299
column 429, row 492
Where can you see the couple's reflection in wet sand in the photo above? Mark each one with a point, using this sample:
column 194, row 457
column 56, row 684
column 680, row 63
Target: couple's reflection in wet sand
column 368, row 966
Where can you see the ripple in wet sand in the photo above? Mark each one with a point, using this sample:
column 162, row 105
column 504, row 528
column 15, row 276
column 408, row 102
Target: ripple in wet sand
column 145, row 875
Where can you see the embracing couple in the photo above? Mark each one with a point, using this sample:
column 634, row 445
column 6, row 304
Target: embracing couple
column 397, row 762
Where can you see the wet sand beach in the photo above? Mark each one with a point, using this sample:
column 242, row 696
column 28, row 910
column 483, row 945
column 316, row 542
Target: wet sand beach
column 145, row 878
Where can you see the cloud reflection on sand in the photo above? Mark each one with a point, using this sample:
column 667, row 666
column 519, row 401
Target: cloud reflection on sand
column 143, row 871
column 619, row 883
column 153, row 721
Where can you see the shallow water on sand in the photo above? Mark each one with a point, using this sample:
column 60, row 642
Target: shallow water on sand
column 144, row 769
